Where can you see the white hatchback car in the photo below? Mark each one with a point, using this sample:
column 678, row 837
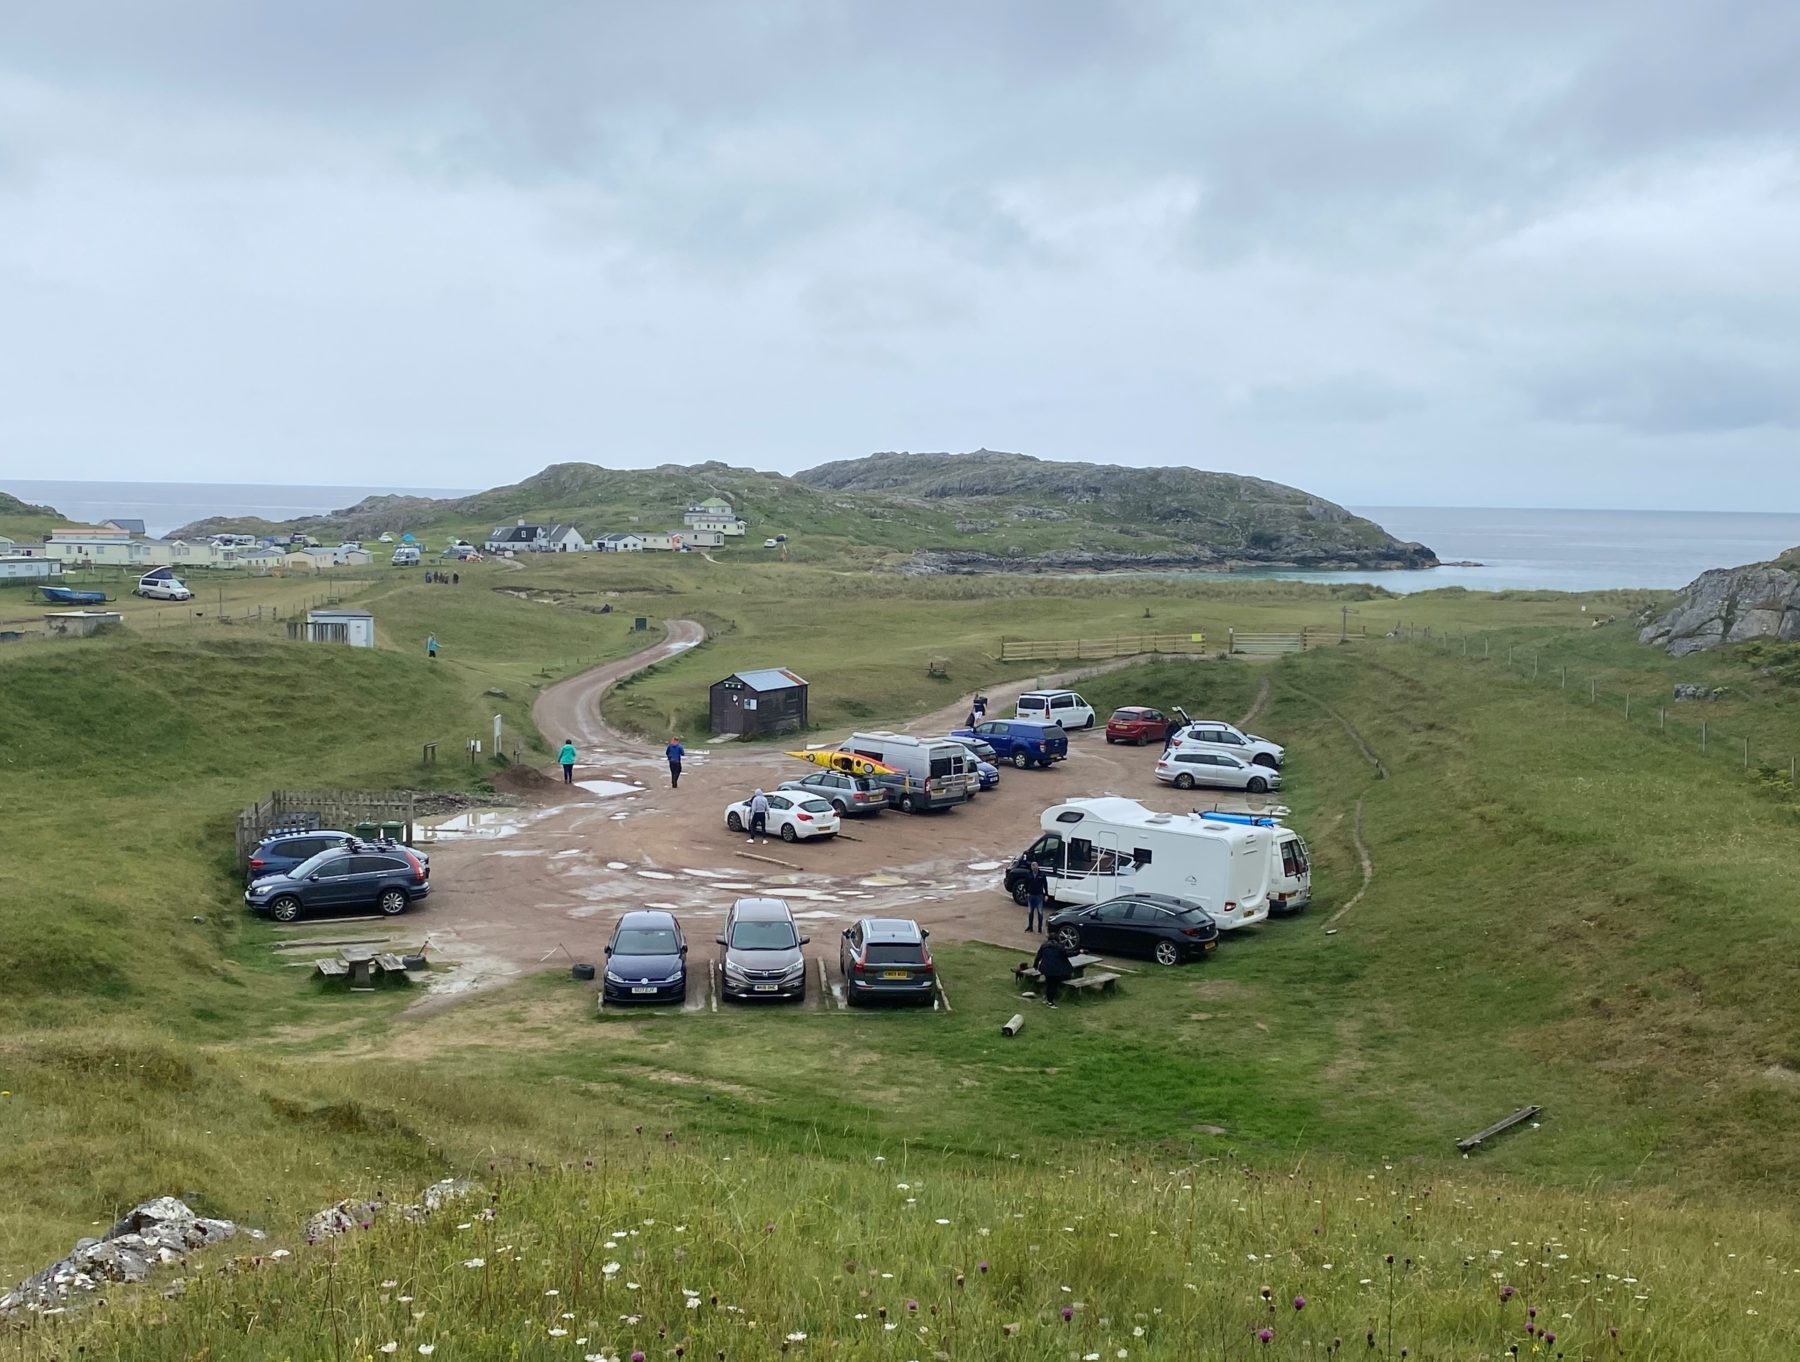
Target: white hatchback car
column 792, row 817
column 1062, row 707
column 1184, row 769
column 1215, row 733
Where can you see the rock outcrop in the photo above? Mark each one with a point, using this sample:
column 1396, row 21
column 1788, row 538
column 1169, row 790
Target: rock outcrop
column 1732, row 605
column 150, row 1235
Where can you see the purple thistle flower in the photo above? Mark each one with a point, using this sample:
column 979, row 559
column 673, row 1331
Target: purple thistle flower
column 1068, row 1313
column 1299, row 1302
column 1265, row 1335
column 1549, row 1336
column 1531, row 1312
column 637, row 1356
column 1506, row 1294
column 982, row 1266
column 912, row 1306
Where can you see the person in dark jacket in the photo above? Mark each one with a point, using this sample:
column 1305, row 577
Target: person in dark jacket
column 675, row 752
column 1037, row 888
column 1052, row 962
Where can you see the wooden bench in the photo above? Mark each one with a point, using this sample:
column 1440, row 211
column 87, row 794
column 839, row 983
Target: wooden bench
column 390, row 964
column 1098, row 983
column 333, row 969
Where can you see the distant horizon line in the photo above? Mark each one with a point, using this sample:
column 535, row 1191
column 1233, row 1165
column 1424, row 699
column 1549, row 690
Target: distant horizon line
column 449, row 492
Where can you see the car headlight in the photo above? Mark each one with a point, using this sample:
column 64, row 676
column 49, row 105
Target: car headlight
column 794, row 970
column 735, row 970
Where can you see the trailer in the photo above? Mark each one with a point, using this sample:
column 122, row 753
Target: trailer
column 1093, row 850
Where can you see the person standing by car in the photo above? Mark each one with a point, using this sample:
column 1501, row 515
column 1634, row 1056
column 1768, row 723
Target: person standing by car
column 1052, row 964
column 1170, row 728
column 1037, row 889
column 567, row 758
column 675, row 752
column 759, row 817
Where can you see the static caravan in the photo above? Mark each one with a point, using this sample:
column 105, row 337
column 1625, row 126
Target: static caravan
column 1096, row 849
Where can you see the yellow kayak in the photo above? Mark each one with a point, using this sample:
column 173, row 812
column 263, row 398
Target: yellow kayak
column 848, row 762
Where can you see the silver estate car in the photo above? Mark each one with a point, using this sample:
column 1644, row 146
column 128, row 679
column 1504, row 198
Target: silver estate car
column 1184, row 768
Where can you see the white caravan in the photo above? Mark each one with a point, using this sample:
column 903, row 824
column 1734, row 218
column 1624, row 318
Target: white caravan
column 1290, row 866
column 1096, row 849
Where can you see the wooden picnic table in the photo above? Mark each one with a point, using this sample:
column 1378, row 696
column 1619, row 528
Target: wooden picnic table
column 360, row 964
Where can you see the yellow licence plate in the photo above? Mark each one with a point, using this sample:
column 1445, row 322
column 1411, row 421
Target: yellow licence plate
column 1212, row 945
column 895, row 974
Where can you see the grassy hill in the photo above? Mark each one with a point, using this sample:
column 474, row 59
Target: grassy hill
column 928, row 512
column 1564, row 909
column 21, row 520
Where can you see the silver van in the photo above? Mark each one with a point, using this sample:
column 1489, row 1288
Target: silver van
column 930, row 773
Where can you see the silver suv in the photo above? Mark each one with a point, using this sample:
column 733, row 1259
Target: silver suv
column 762, row 956
column 1216, row 733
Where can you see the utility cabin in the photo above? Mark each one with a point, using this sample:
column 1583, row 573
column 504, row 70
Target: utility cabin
column 353, row 627
column 749, row 704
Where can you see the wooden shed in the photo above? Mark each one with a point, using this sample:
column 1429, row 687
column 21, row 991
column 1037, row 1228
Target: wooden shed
column 748, row 704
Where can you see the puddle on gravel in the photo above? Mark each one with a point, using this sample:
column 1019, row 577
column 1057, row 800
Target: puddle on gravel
column 481, row 823
column 655, row 875
column 572, row 851
column 881, row 881
column 609, row 787
column 707, row 874
column 986, row 865
column 520, row 851
column 617, row 865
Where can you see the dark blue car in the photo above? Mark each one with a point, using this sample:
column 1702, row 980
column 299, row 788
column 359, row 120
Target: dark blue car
column 646, row 960
column 280, row 852
column 1023, row 742
column 382, row 875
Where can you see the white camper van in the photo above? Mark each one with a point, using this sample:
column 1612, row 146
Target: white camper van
column 1095, row 849
column 932, row 773
column 1290, row 867
column 407, row 555
column 161, row 584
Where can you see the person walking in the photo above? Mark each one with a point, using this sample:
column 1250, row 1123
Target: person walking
column 1037, row 889
column 431, row 645
column 456, row 579
column 759, row 816
column 567, row 758
column 1052, row 964
column 675, row 752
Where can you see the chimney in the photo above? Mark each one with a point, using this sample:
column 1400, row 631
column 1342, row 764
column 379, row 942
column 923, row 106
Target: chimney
column 520, row 522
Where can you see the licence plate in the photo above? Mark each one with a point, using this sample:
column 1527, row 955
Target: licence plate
column 895, row 974
column 1211, row 946
column 643, row 990
column 766, row 988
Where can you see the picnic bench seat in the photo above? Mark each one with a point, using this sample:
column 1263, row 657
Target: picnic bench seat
column 332, row 969
column 1099, row 983
column 391, row 964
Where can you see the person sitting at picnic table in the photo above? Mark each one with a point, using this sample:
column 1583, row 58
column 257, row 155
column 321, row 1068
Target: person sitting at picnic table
column 1052, row 965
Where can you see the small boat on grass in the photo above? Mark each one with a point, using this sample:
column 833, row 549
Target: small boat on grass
column 68, row 595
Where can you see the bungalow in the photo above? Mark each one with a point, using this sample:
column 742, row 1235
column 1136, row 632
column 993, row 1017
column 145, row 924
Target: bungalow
column 662, row 540
column 346, row 556
column 308, row 560
column 563, row 539
column 620, row 543
column 516, row 538
column 697, row 538
column 261, row 560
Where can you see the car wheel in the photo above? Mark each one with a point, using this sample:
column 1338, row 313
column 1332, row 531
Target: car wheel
column 788, row 834
column 1018, row 893
column 1167, row 953
column 1090, row 722
column 1257, row 785
column 285, row 909
column 1069, row 938
column 733, row 822
column 907, row 805
column 1110, row 740
column 392, row 902
column 1020, row 760
column 1263, row 759
column 842, row 810
column 1184, row 781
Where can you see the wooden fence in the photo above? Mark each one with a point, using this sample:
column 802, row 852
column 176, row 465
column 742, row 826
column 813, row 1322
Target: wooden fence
column 1265, row 645
column 340, row 809
column 1120, row 645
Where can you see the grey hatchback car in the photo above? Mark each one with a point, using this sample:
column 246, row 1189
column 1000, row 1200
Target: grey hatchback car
column 886, row 957
column 762, row 956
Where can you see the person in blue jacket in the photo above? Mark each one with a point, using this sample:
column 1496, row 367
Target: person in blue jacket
column 675, row 752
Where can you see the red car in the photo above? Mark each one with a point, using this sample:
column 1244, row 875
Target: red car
column 1135, row 724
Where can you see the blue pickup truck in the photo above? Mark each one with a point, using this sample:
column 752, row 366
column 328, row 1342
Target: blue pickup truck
column 1023, row 742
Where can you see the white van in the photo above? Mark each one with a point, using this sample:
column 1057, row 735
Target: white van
column 1290, row 870
column 1062, row 707
column 933, row 773
column 407, row 555
column 161, row 584
column 1096, row 849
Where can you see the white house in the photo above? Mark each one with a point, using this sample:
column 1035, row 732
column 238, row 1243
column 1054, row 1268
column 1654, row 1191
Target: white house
column 345, row 556
column 95, row 544
column 620, row 543
column 353, row 627
column 517, row 538
column 719, row 524
column 261, row 560
column 562, row 539
column 19, row 566
column 697, row 538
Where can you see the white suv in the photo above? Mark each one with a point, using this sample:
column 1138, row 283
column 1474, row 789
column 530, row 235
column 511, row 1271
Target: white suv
column 1216, row 733
column 1062, row 707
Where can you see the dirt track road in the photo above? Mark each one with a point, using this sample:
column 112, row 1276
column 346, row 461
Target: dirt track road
column 511, row 886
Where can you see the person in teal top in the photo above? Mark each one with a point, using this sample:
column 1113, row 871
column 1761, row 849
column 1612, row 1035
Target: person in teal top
column 567, row 758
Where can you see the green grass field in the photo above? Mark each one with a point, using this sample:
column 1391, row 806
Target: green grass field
column 1565, row 909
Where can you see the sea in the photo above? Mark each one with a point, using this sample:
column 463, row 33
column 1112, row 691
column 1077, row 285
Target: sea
column 164, row 506
column 1517, row 549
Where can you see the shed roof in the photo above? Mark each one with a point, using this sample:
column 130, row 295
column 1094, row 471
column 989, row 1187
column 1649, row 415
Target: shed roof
column 339, row 615
column 769, row 678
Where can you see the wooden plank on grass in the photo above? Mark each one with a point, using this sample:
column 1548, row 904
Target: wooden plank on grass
column 1504, row 1124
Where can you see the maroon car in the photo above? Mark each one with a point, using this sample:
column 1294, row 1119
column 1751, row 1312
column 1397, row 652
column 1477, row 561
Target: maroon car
column 1136, row 724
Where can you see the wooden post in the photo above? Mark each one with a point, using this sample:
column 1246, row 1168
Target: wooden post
column 1627, row 706
column 1662, row 720
column 1703, row 735
column 1534, row 666
column 1746, row 754
column 1593, row 690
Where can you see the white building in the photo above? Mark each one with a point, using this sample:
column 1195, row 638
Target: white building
column 620, row 543
column 696, row 538
column 662, row 540
column 346, row 556
column 519, row 537
column 563, row 539
column 20, row 566
column 95, row 544
column 353, row 627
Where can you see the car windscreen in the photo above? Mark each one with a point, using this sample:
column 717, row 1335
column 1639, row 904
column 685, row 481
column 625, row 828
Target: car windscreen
column 312, row 863
column 894, row 953
column 763, row 936
column 815, row 806
column 646, row 941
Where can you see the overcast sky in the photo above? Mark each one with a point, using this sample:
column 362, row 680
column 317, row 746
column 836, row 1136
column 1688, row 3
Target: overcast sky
column 1392, row 251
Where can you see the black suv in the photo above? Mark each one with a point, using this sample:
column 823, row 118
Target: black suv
column 382, row 875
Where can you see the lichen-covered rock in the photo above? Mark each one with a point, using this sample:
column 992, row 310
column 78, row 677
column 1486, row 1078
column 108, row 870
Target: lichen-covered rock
column 1731, row 605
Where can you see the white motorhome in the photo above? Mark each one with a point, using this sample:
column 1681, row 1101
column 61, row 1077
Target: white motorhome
column 161, row 584
column 1290, row 866
column 1095, row 849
